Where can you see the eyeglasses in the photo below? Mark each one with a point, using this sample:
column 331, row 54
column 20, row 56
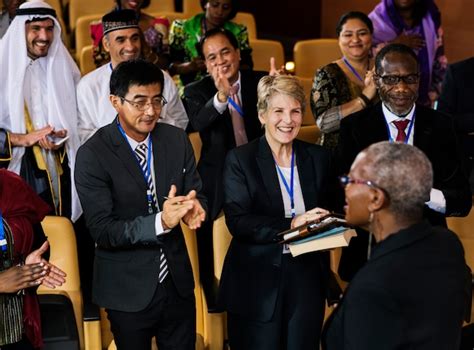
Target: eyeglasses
column 346, row 180
column 157, row 103
column 395, row 79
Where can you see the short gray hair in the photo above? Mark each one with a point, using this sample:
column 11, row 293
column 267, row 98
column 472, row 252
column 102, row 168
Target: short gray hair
column 279, row 84
column 403, row 172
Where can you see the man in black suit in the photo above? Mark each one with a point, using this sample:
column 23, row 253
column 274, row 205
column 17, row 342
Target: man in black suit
column 397, row 80
column 457, row 99
column 209, row 103
column 142, row 272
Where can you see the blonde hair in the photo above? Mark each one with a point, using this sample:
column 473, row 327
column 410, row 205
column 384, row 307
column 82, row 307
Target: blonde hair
column 279, row 84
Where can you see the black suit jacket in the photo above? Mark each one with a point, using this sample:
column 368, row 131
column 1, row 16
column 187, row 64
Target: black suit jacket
column 411, row 294
column 216, row 130
column 254, row 213
column 436, row 137
column 457, row 99
column 112, row 191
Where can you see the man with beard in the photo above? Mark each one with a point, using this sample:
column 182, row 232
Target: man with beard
column 38, row 117
column 398, row 119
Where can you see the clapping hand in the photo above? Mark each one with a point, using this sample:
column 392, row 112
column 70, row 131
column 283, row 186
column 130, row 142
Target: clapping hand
column 186, row 207
column 273, row 70
column 310, row 215
column 53, row 276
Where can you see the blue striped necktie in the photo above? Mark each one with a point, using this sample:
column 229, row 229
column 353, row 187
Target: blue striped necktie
column 141, row 152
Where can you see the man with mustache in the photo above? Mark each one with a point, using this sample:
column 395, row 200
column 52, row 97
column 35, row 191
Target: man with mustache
column 123, row 40
column 38, row 106
column 398, row 119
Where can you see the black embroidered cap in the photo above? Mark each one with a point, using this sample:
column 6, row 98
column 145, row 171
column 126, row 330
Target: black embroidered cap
column 119, row 19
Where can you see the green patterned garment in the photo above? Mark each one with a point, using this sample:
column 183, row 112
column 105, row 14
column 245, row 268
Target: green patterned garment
column 185, row 34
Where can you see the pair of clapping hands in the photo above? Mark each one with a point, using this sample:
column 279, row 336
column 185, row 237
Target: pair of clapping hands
column 34, row 272
column 47, row 137
column 222, row 83
column 186, row 208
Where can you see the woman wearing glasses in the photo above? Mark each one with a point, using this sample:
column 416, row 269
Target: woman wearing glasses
column 274, row 300
column 346, row 85
column 413, row 291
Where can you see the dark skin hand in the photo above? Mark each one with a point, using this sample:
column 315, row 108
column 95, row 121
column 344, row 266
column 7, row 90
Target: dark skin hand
column 20, row 277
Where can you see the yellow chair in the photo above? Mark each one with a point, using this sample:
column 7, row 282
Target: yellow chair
column 62, row 242
column 221, row 238
column 262, row 50
column 308, row 118
column 82, row 33
column 86, row 62
column 191, row 7
column 309, row 133
column 160, row 5
column 196, row 143
column 248, row 20
column 312, row 54
column 80, row 8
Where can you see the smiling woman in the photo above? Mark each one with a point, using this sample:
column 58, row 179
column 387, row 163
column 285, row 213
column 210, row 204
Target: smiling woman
column 346, row 85
column 269, row 186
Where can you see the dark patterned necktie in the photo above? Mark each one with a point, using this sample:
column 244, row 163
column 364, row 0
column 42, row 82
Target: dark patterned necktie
column 401, row 126
column 141, row 152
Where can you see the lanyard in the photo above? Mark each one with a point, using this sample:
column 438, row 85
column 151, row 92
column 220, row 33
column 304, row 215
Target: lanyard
column 352, row 69
column 236, row 106
column 290, row 188
column 407, row 137
column 147, row 173
column 3, row 240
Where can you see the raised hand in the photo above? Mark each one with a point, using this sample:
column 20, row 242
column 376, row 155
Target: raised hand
column 273, row 70
column 415, row 41
column 370, row 88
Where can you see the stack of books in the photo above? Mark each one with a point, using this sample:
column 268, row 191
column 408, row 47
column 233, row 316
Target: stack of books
column 330, row 231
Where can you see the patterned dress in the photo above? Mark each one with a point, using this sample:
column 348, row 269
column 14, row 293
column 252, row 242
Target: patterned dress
column 331, row 89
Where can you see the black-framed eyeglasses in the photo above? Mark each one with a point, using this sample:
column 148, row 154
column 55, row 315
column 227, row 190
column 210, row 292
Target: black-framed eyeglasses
column 157, row 103
column 346, row 180
column 395, row 79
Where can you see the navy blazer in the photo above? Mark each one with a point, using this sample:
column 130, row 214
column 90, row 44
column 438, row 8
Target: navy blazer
column 112, row 191
column 254, row 213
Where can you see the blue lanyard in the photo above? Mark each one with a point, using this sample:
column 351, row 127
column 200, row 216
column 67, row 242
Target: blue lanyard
column 410, row 126
column 289, row 189
column 352, row 69
column 236, row 106
column 3, row 241
column 146, row 174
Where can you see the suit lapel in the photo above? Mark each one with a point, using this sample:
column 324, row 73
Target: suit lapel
column 160, row 165
column 307, row 176
column 266, row 165
column 127, row 156
column 423, row 130
column 373, row 128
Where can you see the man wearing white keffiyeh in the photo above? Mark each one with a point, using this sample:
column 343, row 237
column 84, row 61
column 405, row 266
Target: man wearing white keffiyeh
column 38, row 106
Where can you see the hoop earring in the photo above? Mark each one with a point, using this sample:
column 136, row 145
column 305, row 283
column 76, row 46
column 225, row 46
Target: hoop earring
column 369, row 246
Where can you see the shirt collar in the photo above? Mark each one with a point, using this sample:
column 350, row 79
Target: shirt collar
column 134, row 144
column 390, row 117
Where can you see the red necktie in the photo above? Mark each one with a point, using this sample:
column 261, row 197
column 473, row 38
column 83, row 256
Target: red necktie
column 401, row 126
column 237, row 120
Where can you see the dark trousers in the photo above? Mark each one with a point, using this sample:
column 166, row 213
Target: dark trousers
column 299, row 313
column 169, row 317
column 23, row 344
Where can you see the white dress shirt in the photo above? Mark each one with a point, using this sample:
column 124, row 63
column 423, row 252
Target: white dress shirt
column 437, row 200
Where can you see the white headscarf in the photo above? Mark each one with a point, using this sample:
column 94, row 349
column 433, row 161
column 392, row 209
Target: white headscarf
column 62, row 75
